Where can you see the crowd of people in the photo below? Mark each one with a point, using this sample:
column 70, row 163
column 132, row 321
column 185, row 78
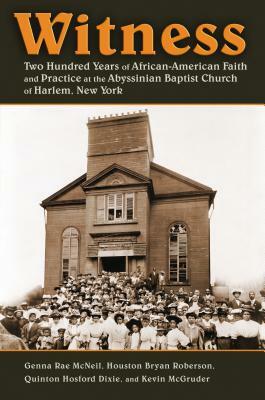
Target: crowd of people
column 117, row 311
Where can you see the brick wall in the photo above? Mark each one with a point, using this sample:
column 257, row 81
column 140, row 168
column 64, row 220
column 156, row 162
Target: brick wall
column 59, row 218
column 194, row 213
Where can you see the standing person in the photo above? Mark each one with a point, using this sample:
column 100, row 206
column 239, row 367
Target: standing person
column 72, row 333
column 94, row 332
column 193, row 332
column 208, row 328
column 147, row 334
column 236, row 302
column 10, row 342
column 45, row 340
column 175, row 338
column 256, row 306
column 55, row 324
column 262, row 293
column 10, row 323
column 161, row 280
column 194, row 305
column 208, row 296
column 161, row 339
column 262, row 330
column 30, row 332
column 133, row 325
column 245, row 332
column 18, row 314
column 118, row 334
column 223, row 331
column 153, row 280
column 60, row 343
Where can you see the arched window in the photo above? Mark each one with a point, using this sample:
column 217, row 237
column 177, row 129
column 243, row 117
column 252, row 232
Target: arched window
column 178, row 253
column 70, row 252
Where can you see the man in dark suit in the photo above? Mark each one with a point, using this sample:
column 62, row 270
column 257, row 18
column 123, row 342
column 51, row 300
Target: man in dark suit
column 153, row 280
column 236, row 302
column 10, row 323
column 255, row 305
column 31, row 332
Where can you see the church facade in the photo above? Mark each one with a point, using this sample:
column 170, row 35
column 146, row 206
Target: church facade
column 128, row 213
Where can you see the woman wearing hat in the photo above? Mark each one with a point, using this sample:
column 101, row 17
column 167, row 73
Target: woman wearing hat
column 72, row 333
column 118, row 335
column 193, row 331
column 223, row 330
column 245, row 332
column 147, row 334
column 208, row 328
column 56, row 324
column 133, row 325
column 94, row 332
column 175, row 338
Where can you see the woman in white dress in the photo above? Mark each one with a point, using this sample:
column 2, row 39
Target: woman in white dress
column 72, row 333
column 147, row 334
column 118, row 335
column 95, row 332
column 175, row 338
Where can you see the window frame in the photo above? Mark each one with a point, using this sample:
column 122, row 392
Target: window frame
column 177, row 259
column 71, row 237
column 115, row 206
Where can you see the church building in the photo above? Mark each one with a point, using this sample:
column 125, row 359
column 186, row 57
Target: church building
column 128, row 213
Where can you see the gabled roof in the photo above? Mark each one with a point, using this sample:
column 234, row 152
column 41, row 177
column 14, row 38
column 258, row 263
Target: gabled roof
column 171, row 185
column 51, row 200
column 113, row 169
column 179, row 177
column 197, row 189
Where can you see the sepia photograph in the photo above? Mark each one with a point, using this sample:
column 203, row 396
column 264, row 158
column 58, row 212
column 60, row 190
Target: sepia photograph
column 132, row 227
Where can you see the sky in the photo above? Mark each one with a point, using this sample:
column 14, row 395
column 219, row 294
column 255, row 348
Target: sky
column 43, row 148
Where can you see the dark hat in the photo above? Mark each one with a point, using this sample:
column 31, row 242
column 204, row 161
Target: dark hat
column 262, row 293
column 61, row 329
column 33, row 313
column 85, row 309
column 191, row 314
column 182, row 295
column 55, row 315
column 247, row 308
column 74, row 316
column 174, row 318
column 10, row 308
column 96, row 314
column 133, row 321
column 64, row 307
column 221, row 312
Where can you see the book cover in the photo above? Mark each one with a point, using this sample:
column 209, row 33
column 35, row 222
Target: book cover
column 132, row 198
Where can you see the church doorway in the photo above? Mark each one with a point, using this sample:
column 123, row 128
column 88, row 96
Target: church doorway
column 113, row 264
